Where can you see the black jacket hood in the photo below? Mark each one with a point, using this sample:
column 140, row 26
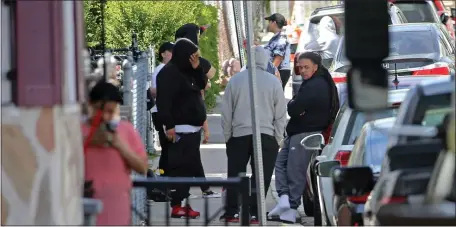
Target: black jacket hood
column 182, row 51
column 189, row 31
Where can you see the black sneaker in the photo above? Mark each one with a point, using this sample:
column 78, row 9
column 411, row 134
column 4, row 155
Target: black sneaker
column 230, row 218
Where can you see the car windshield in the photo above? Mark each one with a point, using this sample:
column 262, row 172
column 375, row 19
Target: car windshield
column 402, row 43
column 432, row 109
column 416, row 12
column 358, row 119
column 376, row 148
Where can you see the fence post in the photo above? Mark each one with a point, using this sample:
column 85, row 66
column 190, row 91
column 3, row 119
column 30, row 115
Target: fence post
column 127, row 79
column 244, row 189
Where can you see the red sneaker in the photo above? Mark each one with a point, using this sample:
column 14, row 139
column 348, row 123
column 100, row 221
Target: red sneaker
column 181, row 212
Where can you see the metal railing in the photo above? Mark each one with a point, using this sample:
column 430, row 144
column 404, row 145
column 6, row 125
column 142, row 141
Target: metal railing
column 240, row 184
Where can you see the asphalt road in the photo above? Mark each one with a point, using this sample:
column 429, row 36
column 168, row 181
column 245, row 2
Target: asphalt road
column 215, row 165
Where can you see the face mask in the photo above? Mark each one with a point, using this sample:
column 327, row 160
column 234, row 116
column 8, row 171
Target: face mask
column 112, row 124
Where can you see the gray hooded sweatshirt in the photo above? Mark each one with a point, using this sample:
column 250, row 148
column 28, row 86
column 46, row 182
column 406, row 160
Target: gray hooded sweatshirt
column 236, row 111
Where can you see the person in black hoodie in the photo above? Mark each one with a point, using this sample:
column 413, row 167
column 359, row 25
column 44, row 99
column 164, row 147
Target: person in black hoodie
column 182, row 112
column 192, row 32
column 311, row 111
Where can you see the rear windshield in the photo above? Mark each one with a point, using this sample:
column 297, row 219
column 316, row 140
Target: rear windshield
column 357, row 120
column 376, row 149
column 416, row 12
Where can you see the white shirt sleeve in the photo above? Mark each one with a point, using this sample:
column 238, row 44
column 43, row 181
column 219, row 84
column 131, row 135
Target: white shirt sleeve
column 154, row 75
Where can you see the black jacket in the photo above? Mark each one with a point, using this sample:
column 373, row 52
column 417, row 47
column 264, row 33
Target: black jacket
column 179, row 99
column 312, row 108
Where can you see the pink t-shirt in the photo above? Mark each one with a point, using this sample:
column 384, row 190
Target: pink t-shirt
column 111, row 175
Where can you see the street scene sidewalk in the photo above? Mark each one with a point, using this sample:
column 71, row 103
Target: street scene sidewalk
column 213, row 156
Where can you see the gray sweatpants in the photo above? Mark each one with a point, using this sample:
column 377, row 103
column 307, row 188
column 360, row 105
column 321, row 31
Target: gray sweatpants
column 291, row 167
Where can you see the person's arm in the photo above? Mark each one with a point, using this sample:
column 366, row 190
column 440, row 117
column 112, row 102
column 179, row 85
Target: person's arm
column 206, row 132
column 211, row 73
column 279, row 52
column 167, row 87
column 227, row 112
column 280, row 113
column 306, row 97
column 132, row 151
column 200, row 73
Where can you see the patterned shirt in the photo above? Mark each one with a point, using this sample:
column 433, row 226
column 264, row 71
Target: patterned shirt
column 279, row 46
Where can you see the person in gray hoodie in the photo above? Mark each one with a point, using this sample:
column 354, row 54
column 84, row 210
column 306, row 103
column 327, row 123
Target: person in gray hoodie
column 237, row 128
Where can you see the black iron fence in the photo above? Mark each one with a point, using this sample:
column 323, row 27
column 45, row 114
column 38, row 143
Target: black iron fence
column 240, row 184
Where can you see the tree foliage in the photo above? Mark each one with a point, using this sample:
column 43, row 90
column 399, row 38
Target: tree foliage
column 154, row 22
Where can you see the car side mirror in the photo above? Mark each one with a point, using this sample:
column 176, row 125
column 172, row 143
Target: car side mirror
column 324, row 168
column 313, row 142
column 352, row 181
column 444, row 17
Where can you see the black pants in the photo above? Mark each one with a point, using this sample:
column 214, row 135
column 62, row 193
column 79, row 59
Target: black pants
column 163, row 143
column 184, row 160
column 239, row 151
column 284, row 76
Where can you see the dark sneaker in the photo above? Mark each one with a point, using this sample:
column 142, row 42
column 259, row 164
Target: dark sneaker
column 230, row 218
column 211, row 194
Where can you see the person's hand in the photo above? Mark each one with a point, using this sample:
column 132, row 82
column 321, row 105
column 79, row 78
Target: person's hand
column 117, row 142
column 171, row 135
column 194, row 60
column 206, row 137
column 100, row 137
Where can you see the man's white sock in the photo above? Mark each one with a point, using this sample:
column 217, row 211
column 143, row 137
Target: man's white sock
column 289, row 215
column 282, row 206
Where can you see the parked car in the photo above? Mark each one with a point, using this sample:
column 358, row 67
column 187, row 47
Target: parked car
column 369, row 150
column 406, row 169
column 415, row 50
column 431, row 11
column 346, row 129
column 337, row 14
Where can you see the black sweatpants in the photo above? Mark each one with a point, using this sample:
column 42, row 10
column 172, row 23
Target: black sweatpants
column 284, row 76
column 239, row 151
column 184, row 160
column 163, row 143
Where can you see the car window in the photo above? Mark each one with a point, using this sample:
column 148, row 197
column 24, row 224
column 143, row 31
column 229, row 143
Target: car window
column 376, row 146
column 417, row 12
column 431, row 109
column 358, row 119
column 434, row 117
column 337, row 122
column 401, row 43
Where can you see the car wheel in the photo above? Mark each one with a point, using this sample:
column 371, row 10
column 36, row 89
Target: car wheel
column 308, row 205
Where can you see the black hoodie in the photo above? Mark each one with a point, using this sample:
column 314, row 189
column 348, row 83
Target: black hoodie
column 191, row 31
column 179, row 100
column 315, row 106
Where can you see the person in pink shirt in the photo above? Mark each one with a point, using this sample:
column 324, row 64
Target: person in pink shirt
column 113, row 151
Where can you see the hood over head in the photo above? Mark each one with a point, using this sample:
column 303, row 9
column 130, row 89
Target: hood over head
column 189, row 31
column 261, row 57
column 326, row 26
column 182, row 51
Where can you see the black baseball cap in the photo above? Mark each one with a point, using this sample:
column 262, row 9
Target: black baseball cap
column 166, row 46
column 278, row 18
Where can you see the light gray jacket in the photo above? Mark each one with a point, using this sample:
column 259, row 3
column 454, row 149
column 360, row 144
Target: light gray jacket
column 236, row 111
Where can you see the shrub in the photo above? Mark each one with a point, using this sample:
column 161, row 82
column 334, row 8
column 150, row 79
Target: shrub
column 154, row 22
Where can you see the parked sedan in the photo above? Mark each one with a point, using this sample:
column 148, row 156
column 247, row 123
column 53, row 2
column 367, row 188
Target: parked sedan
column 415, row 50
column 369, row 150
column 346, row 129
